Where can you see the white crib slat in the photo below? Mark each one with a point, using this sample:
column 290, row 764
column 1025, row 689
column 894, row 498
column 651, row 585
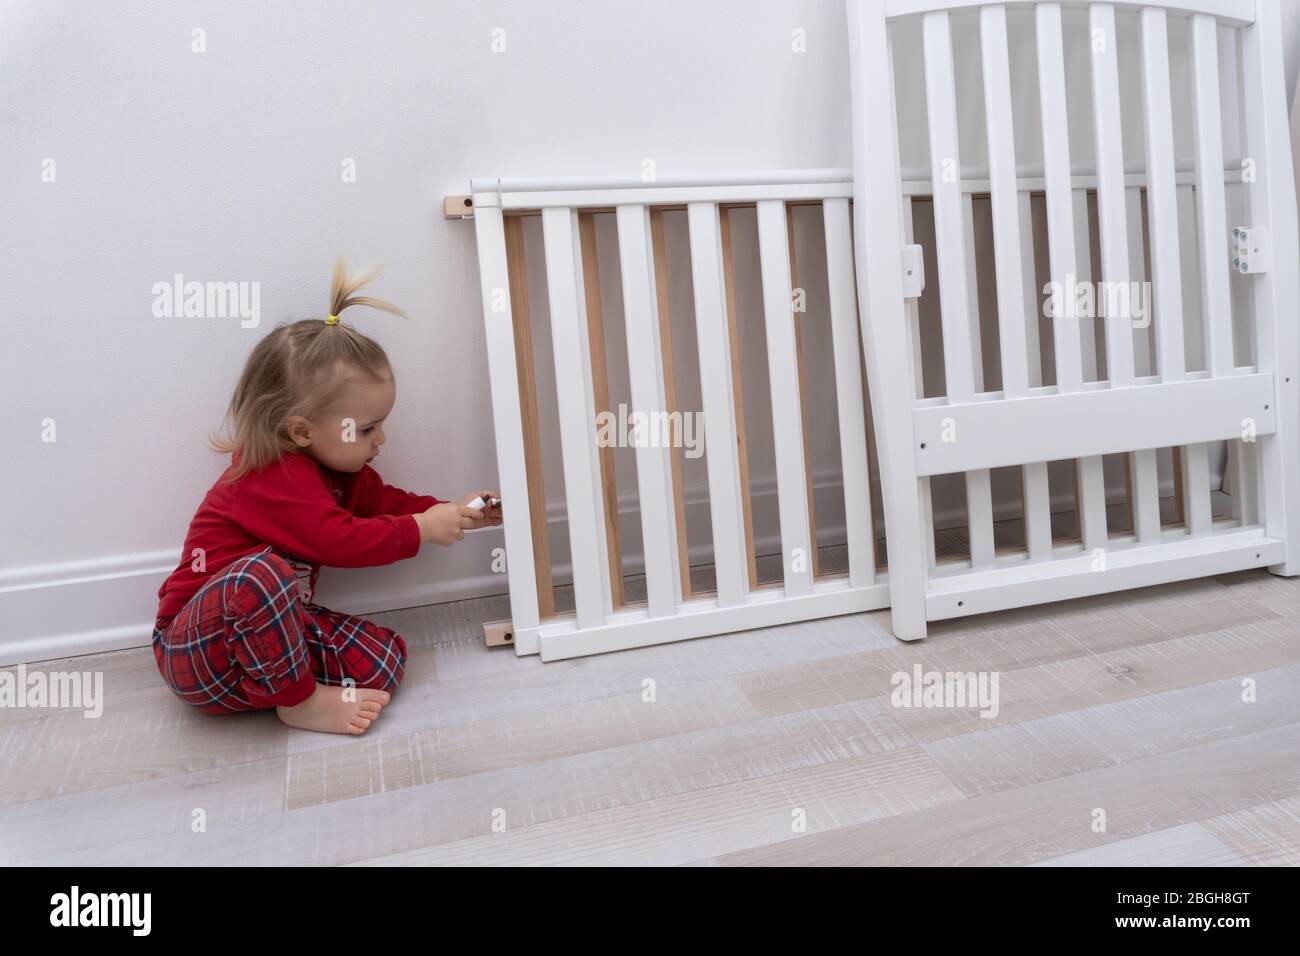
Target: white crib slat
column 912, row 308
column 1272, row 199
column 1003, row 202
column 1092, row 501
column 1196, row 488
column 507, row 417
column 1060, row 203
column 1013, row 250
column 646, row 381
column 954, row 242
column 1146, row 496
column 783, row 377
column 1211, row 200
column 574, row 400
column 1119, row 217
column 1067, row 226
column 848, row 392
column 1145, row 502
column 723, row 458
column 949, row 218
column 1112, row 214
column 877, row 221
column 1162, row 197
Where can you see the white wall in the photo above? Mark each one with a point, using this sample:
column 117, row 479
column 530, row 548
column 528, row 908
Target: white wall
column 225, row 165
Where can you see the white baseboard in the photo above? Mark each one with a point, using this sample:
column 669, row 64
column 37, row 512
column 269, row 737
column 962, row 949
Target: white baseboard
column 85, row 607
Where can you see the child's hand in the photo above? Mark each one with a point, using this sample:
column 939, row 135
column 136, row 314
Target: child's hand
column 446, row 523
column 491, row 515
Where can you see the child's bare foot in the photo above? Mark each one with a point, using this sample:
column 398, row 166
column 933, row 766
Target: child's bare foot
column 328, row 712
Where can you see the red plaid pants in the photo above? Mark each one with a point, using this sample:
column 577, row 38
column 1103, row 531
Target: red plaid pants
column 249, row 640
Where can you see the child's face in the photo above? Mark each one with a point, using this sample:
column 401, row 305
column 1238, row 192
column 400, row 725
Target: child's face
column 350, row 432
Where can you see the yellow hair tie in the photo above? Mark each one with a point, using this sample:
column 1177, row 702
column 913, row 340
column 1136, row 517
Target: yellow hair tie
column 331, row 319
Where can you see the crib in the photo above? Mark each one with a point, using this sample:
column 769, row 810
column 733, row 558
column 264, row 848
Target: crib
column 934, row 278
column 1129, row 397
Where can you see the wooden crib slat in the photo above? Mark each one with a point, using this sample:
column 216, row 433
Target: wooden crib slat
column 1112, row 209
column 503, row 312
column 575, row 403
column 723, row 456
column 646, row 380
column 1060, row 203
column 1162, row 197
column 659, row 255
column 738, row 394
column 783, row 377
column 859, row 531
column 1211, row 197
column 522, row 335
column 600, row 397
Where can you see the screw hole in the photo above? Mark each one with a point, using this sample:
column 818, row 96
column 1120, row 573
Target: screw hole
column 1265, row 408
column 468, row 202
column 922, row 446
column 961, row 603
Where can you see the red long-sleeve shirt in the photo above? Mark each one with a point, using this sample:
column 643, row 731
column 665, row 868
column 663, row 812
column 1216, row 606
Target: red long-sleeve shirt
column 304, row 509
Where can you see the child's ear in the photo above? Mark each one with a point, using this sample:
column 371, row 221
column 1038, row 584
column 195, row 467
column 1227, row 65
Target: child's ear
column 298, row 430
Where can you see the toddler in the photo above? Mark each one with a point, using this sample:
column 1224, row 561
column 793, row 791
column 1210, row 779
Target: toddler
column 237, row 628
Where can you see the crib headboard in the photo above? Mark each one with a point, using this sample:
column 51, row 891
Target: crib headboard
column 1130, row 398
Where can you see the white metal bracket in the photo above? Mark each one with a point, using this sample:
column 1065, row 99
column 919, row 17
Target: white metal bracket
column 913, row 272
column 1252, row 252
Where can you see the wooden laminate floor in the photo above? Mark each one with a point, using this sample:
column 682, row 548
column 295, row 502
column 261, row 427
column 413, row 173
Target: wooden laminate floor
column 775, row 746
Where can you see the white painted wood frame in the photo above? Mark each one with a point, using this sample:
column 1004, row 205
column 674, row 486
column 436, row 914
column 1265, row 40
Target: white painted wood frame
column 737, row 604
column 1145, row 402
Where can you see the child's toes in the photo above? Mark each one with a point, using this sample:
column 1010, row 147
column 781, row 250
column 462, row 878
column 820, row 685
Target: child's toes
column 367, row 695
column 360, row 724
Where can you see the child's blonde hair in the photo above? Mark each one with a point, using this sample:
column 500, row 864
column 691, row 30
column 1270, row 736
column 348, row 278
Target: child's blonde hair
column 293, row 370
